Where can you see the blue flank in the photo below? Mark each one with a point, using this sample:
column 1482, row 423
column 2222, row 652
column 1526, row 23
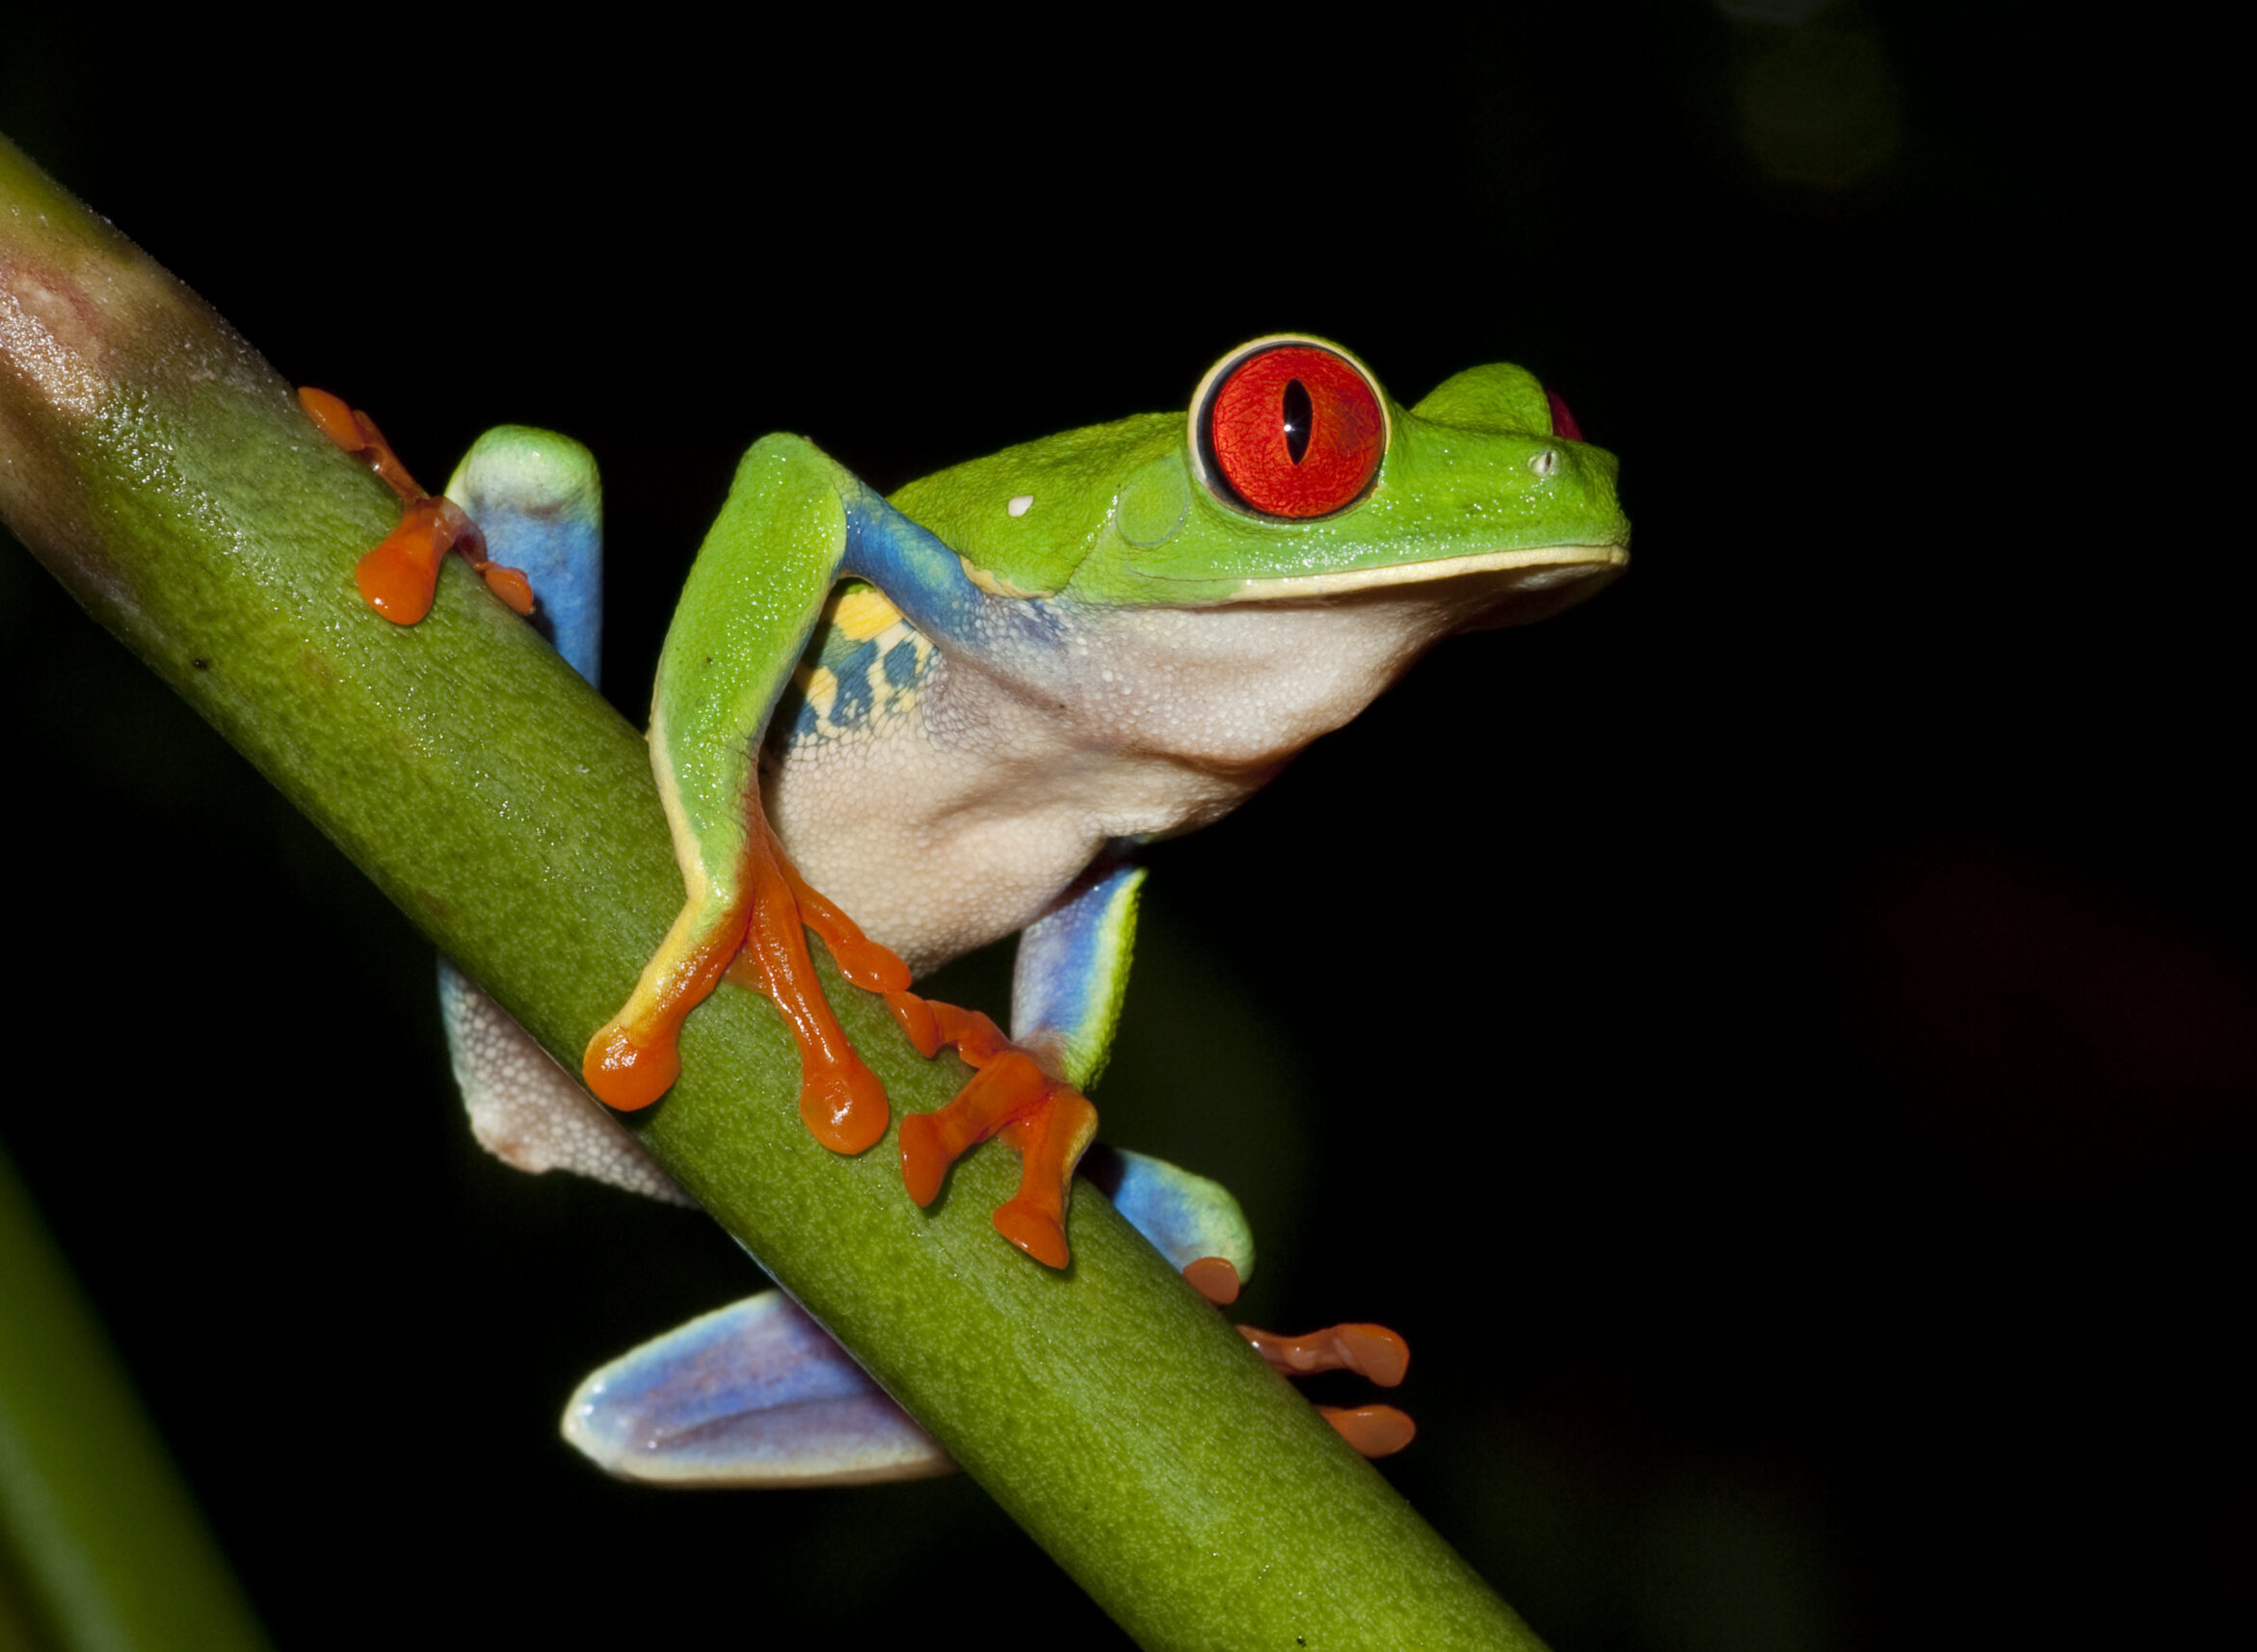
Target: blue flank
column 806, row 726
column 873, row 680
column 926, row 580
column 905, row 666
column 855, row 700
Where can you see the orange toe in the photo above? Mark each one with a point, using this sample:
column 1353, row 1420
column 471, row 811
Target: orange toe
column 1033, row 1230
column 626, row 1073
column 1214, row 1278
column 1373, row 1430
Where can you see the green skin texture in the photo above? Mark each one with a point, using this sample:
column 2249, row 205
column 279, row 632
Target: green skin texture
column 164, row 472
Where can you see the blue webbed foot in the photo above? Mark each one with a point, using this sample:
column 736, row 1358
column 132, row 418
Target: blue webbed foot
column 755, row 1394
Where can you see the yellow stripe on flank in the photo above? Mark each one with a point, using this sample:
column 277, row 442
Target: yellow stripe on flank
column 862, row 614
column 820, row 687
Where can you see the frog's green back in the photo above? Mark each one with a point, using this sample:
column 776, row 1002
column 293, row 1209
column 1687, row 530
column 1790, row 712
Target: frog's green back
column 1070, row 482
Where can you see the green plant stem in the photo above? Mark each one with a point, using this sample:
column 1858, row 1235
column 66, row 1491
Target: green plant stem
column 100, row 1543
column 166, row 475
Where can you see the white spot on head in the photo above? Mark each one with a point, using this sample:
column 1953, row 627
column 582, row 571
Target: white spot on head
column 1017, row 506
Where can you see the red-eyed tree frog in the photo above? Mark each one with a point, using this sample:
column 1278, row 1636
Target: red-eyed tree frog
column 956, row 713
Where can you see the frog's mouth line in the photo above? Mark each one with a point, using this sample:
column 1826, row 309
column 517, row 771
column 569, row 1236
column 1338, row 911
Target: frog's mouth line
column 1543, row 566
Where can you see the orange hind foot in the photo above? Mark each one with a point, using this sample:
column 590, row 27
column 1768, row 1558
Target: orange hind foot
column 1046, row 1120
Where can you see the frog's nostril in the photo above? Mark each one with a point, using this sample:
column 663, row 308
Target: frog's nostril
column 1543, row 461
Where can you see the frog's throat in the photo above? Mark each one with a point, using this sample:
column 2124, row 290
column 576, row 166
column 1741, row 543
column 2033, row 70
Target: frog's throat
column 1576, row 561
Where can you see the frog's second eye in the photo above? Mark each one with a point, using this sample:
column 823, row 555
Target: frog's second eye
column 1295, row 431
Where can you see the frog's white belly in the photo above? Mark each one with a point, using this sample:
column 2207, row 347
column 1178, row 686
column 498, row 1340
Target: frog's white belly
column 962, row 820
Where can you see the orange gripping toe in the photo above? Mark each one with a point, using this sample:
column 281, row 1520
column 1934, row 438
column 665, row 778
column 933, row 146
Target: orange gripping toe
column 1371, row 1351
column 397, row 578
column 1372, row 1430
column 861, row 960
column 763, row 945
column 841, row 1100
column 1046, row 1120
column 1216, row 1278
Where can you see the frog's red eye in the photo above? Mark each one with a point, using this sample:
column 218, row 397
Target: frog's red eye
column 1296, row 431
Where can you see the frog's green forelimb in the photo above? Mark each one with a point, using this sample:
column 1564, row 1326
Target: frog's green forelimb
column 762, row 578
column 794, row 525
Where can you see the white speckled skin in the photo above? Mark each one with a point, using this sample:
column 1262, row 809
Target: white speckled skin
column 529, row 1112
column 962, row 820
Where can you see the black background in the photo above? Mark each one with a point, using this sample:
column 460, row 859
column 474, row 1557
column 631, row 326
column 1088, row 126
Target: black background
column 1778, row 1041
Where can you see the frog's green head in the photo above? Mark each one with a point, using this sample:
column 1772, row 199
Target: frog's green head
column 1297, row 478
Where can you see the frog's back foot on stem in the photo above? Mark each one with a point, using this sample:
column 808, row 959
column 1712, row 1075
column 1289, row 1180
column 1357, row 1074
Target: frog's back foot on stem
column 755, row 1394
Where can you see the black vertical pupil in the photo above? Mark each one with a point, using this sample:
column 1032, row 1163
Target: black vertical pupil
column 1300, row 416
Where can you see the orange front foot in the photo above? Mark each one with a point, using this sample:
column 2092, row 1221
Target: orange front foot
column 759, row 941
column 1046, row 1120
column 397, row 578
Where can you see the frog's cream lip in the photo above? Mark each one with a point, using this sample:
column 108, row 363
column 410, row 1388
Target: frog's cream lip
column 1576, row 561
